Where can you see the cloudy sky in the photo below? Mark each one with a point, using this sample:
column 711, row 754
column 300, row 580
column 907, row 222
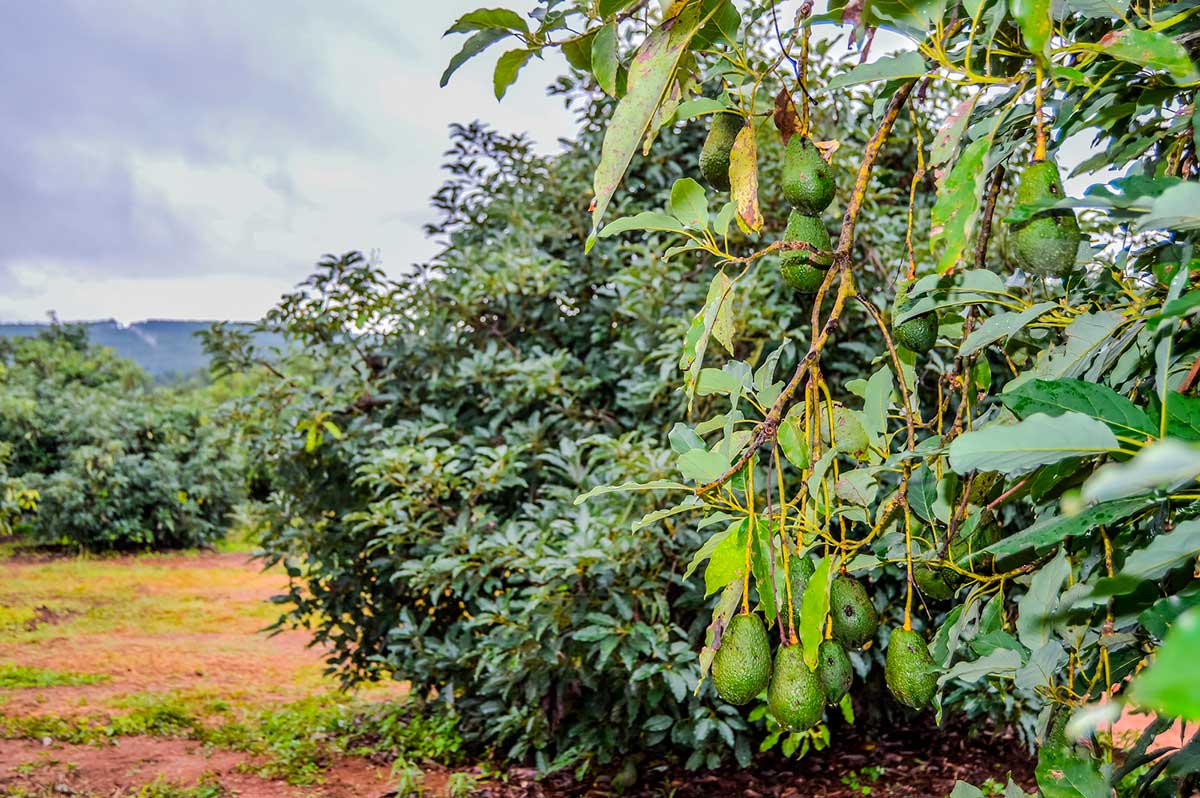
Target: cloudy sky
column 173, row 159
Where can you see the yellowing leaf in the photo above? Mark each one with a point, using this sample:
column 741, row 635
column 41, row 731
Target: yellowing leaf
column 743, row 179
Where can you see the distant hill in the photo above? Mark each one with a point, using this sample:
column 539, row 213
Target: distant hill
column 165, row 349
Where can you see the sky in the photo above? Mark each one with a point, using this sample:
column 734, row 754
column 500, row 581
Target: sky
column 170, row 159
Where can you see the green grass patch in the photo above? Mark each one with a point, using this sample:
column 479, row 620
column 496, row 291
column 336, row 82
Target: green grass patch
column 13, row 677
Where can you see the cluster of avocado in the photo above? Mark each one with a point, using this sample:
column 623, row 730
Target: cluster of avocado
column 797, row 695
column 808, row 187
column 1044, row 244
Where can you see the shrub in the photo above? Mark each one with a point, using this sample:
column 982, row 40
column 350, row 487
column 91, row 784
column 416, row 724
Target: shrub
column 97, row 459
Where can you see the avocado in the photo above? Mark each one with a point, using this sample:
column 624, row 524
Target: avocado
column 834, row 670
column 852, row 614
column 917, row 334
column 714, row 155
column 797, row 266
column 800, row 570
column 851, row 438
column 795, row 697
column 933, row 582
column 743, row 662
column 909, row 669
column 807, row 179
column 1047, row 243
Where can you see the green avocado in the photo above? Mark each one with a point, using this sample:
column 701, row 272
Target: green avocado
column 714, row 155
column 795, row 697
column 796, row 265
column 834, row 670
column 1047, row 243
column 909, row 670
column 852, row 614
column 932, row 582
column 807, row 179
column 917, row 334
column 800, row 570
column 743, row 662
column 851, row 438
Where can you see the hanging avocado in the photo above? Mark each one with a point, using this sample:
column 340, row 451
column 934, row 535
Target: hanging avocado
column 1047, row 243
column 796, row 697
column 909, row 669
column 743, row 662
column 807, row 179
column 714, row 155
column 834, row 670
column 851, row 613
column 796, row 265
column 917, row 334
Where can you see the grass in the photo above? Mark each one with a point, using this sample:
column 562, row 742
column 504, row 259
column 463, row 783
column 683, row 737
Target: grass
column 294, row 742
column 14, row 677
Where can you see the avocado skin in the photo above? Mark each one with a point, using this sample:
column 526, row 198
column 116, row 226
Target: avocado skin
column 933, row 582
column 795, row 696
column 909, row 670
column 742, row 664
column 1047, row 243
column 796, row 265
column 800, row 570
column 807, row 180
column 714, row 155
column 919, row 333
column 852, row 614
column 834, row 670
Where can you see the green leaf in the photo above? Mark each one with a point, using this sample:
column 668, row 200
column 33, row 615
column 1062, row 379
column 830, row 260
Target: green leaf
column 710, row 546
column 609, row 7
column 712, row 320
column 649, row 76
column 484, row 18
column 790, row 437
column 814, row 609
column 1168, row 463
column 1055, row 397
column 1164, row 554
column 701, row 465
column 1033, row 18
column 728, row 559
column 689, row 204
column 507, row 68
column 945, row 143
column 624, row 487
column 605, row 61
column 727, row 605
column 1050, row 531
column 952, row 220
column 1002, row 325
column 1065, row 771
column 1001, row 662
column 471, row 48
column 646, row 220
column 1037, row 440
column 1168, row 686
column 908, row 64
column 1177, row 208
column 1041, row 601
column 763, row 565
column 1183, row 417
column 1150, row 49
column 687, row 505
column 699, row 106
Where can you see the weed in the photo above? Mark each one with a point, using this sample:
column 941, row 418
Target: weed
column 208, row 786
column 861, row 780
column 461, row 785
column 19, row 676
column 407, row 780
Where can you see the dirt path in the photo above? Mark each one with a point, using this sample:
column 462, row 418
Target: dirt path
column 183, row 628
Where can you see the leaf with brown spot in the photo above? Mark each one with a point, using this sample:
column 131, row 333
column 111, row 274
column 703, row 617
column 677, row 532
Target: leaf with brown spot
column 743, row 179
column 787, row 121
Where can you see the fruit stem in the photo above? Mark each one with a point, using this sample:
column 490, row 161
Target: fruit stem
column 751, row 528
column 1039, row 152
column 908, row 562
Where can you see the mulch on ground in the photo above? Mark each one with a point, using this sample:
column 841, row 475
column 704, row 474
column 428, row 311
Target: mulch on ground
column 915, row 761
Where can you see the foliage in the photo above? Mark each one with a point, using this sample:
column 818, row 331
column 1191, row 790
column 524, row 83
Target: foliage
column 1043, row 456
column 426, row 438
column 92, row 457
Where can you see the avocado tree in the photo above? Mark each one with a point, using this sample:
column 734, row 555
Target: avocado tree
column 1020, row 454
